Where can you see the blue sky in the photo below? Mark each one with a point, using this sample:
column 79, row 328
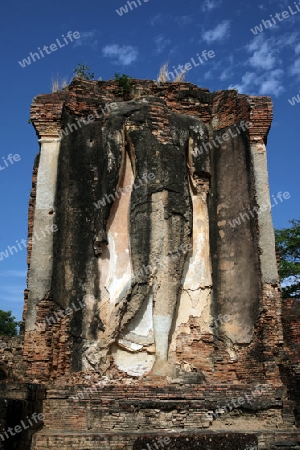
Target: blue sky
column 138, row 43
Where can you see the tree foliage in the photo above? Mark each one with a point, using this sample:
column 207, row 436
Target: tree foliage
column 288, row 244
column 125, row 84
column 83, row 71
column 8, row 324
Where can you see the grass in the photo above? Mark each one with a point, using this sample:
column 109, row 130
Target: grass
column 163, row 75
column 58, row 83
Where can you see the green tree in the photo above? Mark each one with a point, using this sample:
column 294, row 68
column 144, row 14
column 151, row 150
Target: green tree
column 125, row 84
column 8, row 324
column 288, row 244
column 83, row 71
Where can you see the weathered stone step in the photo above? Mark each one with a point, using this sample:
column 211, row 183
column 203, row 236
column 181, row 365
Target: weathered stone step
column 125, row 409
column 203, row 440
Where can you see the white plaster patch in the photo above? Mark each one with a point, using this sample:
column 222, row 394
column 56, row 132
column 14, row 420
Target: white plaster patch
column 89, row 301
column 193, row 304
column 135, row 364
column 195, row 299
column 47, row 173
column 91, row 357
column 130, row 346
column 266, row 230
column 115, row 263
column 162, row 326
column 140, row 328
column 41, row 265
column 197, row 271
column 162, row 323
column 115, row 285
column 115, row 279
column 141, row 324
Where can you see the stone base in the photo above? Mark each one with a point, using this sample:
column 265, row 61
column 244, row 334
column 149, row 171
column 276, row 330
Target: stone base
column 153, row 416
column 67, row 440
column 158, row 416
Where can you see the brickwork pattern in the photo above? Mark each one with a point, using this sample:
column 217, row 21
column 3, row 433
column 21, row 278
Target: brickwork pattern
column 118, row 411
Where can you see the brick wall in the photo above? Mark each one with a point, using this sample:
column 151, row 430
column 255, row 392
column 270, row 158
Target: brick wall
column 11, row 358
column 47, row 353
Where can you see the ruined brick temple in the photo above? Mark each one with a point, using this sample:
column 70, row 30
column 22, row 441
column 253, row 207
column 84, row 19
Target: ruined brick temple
column 153, row 316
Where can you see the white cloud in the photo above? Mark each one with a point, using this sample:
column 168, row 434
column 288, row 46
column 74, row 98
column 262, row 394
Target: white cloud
column 263, row 57
column 229, row 68
column 208, row 5
column 265, row 52
column 182, row 21
column 161, row 19
column 269, row 83
column 157, row 20
column 247, row 80
column 86, row 38
column 227, row 73
column 208, row 75
column 265, row 72
column 161, row 43
column 295, row 68
column 218, row 33
column 272, row 85
column 121, row 54
column 288, row 39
